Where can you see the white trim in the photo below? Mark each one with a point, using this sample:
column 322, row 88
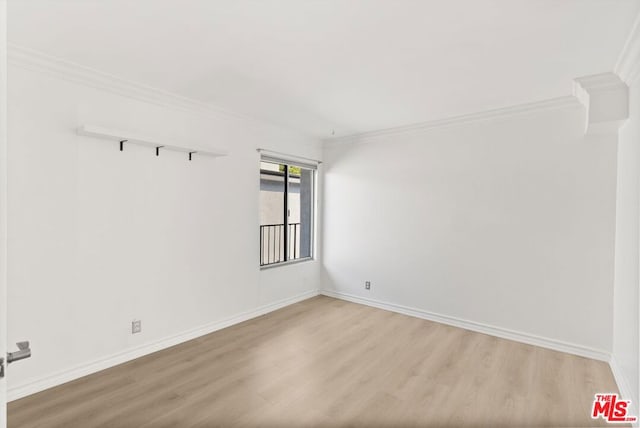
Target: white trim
column 605, row 98
column 40, row 62
column 628, row 64
column 600, row 81
column 624, row 388
column 37, row 61
column 288, row 263
column 550, row 104
column 530, row 339
column 63, row 376
column 3, row 205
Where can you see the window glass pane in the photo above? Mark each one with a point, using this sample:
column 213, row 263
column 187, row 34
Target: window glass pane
column 300, row 215
column 271, row 213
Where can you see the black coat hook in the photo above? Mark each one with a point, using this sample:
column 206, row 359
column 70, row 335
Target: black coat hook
column 190, row 153
column 158, row 150
column 122, row 144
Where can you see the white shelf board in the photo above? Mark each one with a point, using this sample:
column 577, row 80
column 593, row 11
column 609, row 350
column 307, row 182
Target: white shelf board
column 132, row 138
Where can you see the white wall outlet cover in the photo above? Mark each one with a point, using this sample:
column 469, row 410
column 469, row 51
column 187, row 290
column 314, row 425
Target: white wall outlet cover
column 136, row 327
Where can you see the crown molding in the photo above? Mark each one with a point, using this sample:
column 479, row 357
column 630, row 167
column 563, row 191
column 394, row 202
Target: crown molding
column 601, row 81
column 37, row 61
column 519, row 109
column 34, row 60
column 628, row 64
column 605, row 97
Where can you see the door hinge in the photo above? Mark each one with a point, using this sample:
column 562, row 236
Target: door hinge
column 1, row 368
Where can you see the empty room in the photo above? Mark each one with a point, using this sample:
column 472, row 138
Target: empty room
column 319, row 213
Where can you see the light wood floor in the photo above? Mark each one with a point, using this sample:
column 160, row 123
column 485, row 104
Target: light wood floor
column 326, row 362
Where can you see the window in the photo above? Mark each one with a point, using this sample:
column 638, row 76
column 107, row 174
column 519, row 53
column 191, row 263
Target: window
column 286, row 211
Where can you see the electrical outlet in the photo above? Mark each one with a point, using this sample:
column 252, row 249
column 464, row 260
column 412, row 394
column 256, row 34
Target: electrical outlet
column 136, row 326
column 367, row 285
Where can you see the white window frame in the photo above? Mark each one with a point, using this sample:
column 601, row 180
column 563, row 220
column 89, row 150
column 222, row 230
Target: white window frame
column 279, row 158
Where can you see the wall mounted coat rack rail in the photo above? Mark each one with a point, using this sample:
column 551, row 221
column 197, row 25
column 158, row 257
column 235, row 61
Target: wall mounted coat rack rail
column 124, row 138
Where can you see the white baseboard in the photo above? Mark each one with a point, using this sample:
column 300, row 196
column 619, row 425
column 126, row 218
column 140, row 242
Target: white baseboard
column 625, row 388
column 19, row 391
column 504, row 333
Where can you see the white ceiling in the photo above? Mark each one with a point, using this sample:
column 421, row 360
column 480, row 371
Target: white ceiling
column 348, row 65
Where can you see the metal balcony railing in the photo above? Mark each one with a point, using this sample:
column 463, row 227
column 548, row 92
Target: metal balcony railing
column 272, row 243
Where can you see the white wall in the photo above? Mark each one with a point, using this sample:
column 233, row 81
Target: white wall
column 627, row 280
column 3, row 204
column 506, row 222
column 100, row 237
